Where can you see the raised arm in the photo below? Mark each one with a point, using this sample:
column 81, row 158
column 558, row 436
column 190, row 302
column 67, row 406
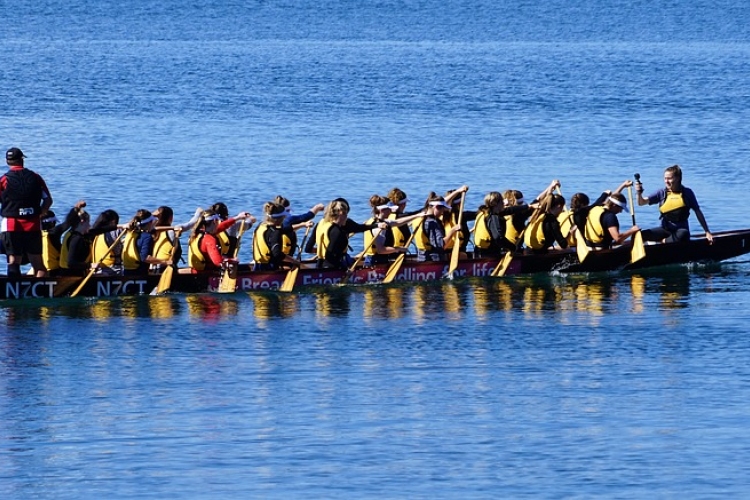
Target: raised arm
column 452, row 196
column 552, row 186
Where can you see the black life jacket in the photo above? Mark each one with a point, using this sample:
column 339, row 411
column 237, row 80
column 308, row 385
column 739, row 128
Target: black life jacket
column 22, row 195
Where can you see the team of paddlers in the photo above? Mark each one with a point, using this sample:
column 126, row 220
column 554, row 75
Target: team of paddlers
column 150, row 241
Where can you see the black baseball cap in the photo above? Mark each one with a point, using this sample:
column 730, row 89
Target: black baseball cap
column 14, row 154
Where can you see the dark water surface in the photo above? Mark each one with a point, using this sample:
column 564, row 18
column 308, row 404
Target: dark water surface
column 625, row 386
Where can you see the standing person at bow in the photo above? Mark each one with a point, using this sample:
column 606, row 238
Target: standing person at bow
column 333, row 233
column 602, row 228
column 675, row 202
column 205, row 249
column 25, row 198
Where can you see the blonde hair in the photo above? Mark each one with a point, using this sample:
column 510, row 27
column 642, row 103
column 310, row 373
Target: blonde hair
column 335, row 209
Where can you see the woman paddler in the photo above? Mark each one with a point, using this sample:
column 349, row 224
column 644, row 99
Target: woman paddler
column 138, row 245
column 293, row 222
column 205, row 249
column 543, row 230
column 52, row 233
column 432, row 238
column 332, row 236
column 379, row 245
column 452, row 218
column 399, row 201
column 516, row 222
column 580, row 206
column 77, row 245
column 271, row 245
column 490, row 229
column 106, row 232
column 603, row 228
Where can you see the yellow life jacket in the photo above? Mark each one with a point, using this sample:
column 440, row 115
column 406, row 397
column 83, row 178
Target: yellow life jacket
column 674, row 208
column 261, row 252
column 448, row 225
column 482, row 236
column 224, row 242
column 99, row 247
column 196, row 259
column 566, row 224
column 511, row 233
column 64, row 251
column 131, row 257
column 162, row 246
column 50, row 254
column 322, row 239
column 420, row 237
column 286, row 244
column 594, row 231
column 533, row 236
column 370, row 247
column 400, row 236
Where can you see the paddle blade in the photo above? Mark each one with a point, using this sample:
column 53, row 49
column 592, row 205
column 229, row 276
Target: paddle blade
column 582, row 249
column 503, row 265
column 289, row 280
column 639, row 250
column 165, row 281
column 454, row 257
column 394, row 269
column 228, row 283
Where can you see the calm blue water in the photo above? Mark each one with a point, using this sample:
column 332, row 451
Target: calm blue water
column 623, row 386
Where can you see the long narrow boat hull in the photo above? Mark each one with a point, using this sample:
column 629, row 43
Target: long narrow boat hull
column 726, row 245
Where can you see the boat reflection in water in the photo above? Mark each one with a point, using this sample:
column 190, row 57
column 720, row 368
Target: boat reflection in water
column 274, row 305
column 383, row 303
column 211, row 308
column 570, row 298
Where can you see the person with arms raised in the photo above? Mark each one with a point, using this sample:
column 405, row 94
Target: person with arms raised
column 205, row 248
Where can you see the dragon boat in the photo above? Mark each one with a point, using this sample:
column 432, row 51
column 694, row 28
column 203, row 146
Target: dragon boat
column 726, row 245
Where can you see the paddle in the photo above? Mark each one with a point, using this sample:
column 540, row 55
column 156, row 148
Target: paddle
column 94, row 268
column 291, row 275
column 456, row 239
column 351, row 270
column 639, row 251
column 228, row 283
column 395, row 267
